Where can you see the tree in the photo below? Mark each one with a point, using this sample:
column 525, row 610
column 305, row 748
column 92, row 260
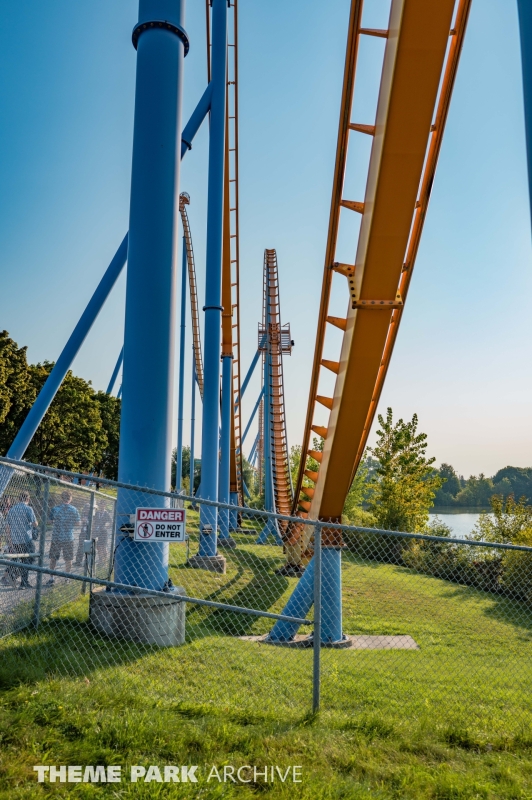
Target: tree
column 404, row 485
column 451, row 486
column 109, row 407
column 354, row 512
column 185, row 468
column 508, row 521
column 16, row 390
column 514, row 480
column 71, row 435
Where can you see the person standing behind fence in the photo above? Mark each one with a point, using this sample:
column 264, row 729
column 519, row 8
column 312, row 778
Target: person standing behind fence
column 83, row 533
column 20, row 523
column 102, row 529
column 65, row 518
column 5, row 505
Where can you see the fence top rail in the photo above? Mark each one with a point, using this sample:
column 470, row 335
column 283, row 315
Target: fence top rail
column 37, row 468
column 44, row 474
column 153, row 592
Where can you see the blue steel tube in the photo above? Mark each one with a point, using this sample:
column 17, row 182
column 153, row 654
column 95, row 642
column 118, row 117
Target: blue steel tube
column 194, row 123
column 70, row 351
column 213, row 282
column 225, row 448
column 251, row 370
column 149, row 341
column 181, row 385
column 525, row 28
column 252, row 417
column 192, row 424
column 302, row 598
column 116, row 370
column 254, row 448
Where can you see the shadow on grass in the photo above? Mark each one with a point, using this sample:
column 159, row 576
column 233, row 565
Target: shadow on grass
column 68, row 645
column 261, row 593
column 64, row 646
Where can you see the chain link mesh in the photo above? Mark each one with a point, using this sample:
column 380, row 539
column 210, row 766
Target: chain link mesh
column 207, row 650
column 426, row 622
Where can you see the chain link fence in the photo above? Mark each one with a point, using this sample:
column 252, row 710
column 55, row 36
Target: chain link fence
column 409, row 623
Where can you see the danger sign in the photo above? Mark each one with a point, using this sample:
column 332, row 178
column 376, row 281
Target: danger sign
column 160, row 525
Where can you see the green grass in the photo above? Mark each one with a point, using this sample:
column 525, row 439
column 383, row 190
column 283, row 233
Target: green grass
column 450, row 720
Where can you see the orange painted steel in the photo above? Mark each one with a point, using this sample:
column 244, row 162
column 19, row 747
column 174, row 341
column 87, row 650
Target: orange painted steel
column 411, row 114
column 355, row 18
column 277, row 343
column 184, row 200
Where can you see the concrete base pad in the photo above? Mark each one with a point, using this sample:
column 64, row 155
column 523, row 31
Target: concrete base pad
column 349, row 643
column 228, row 543
column 210, row 563
column 139, row 618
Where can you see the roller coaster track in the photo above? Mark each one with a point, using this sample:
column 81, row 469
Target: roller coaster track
column 422, row 51
column 231, row 255
column 277, row 341
column 184, row 200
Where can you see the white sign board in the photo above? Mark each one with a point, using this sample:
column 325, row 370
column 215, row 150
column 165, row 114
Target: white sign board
column 160, row 524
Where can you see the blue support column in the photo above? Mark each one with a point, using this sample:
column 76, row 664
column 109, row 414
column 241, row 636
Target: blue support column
column 149, row 342
column 233, row 515
column 252, row 417
column 302, row 598
column 525, row 28
column 70, row 351
column 116, row 370
column 224, row 539
column 253, row 451
column 213, row 284
column 251, row 370
column 181, row 385
column 192, row 424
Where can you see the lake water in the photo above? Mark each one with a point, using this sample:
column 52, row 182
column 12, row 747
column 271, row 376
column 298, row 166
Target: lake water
column 461, row 523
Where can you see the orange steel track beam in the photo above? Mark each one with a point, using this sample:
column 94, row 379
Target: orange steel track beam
column 273, row 330
column 402, row 166
column 355, row 18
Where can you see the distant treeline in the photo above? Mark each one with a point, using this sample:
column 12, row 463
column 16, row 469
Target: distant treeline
column 460, row 492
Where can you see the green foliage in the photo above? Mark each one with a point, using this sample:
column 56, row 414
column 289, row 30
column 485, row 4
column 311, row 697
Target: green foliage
column 475, row 492
column 80, row 431
column 508, row 521
column 71, row 435
column 404, row 485
column 354, row 512
column 16, row 390
column 185, row 468
column 401, row 726
column 109, row 408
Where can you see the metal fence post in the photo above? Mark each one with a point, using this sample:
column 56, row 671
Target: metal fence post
column 90, row 517
column 87, row 536
column 113, row 539
column 316, row 676
column 42, row 543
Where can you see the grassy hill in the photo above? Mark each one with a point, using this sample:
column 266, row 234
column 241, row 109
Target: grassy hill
column 450, row 720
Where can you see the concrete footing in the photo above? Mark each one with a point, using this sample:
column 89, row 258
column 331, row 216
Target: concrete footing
column 211, row 563
column 227, row 543
column 139, row 618
column 347, row 643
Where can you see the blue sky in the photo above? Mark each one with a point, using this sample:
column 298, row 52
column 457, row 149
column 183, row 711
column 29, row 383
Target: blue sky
column 463, row 355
